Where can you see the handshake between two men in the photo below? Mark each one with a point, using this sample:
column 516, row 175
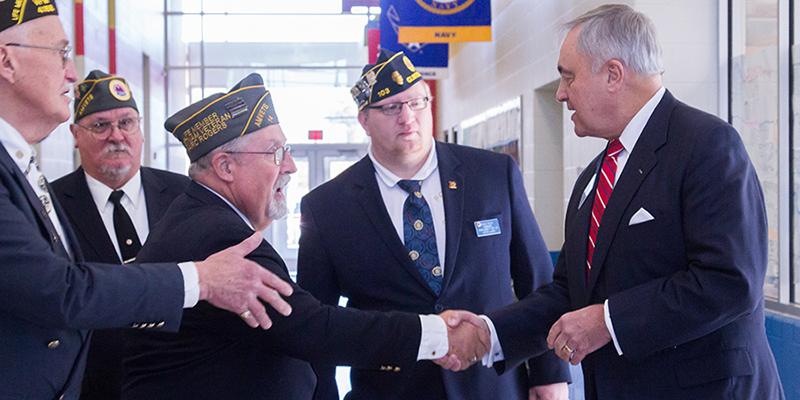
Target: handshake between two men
column 575, row 335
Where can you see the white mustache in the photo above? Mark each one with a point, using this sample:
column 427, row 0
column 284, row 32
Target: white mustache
column 115, row 147
column 281, row 183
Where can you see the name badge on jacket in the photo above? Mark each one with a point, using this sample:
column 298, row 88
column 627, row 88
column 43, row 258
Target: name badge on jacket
column 487, row 227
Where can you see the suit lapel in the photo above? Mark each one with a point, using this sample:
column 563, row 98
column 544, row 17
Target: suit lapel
column 449, row 171
column 640, row 162
column 369, row 197
column 577, row 231
column 78, row 202
column 40, row 215
column 156, row 203
column 66, row 226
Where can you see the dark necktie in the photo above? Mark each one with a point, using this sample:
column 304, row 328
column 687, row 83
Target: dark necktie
column 607, row 175
column 419, row 234
column 127, row 238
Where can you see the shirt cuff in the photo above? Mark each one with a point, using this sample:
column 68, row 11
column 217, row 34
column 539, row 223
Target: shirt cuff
column 496, row 353
column 433, row 342
column 610, row 326
column 191, row 284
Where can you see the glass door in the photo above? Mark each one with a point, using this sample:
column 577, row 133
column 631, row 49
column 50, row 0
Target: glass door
column 316, row 164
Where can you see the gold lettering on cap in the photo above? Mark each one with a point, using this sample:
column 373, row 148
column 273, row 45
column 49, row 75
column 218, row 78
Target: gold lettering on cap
column 16, row 13
column 413, row 76
column 85, row 102
column 203, row 130
column 262, row 111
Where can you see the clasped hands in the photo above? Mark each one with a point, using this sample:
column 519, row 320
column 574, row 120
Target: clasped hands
column 575, row 335
column 469, row 339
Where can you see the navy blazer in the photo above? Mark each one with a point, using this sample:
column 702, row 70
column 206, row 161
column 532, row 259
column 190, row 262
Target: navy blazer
column 48, row 302
column 684, row 289
column 103, row 375
column 349, row 247
column 215, row 355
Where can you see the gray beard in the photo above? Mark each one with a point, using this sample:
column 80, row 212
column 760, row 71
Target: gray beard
column 277, row 208
column 115, row 172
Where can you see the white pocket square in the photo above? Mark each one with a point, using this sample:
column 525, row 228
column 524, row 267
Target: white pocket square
column 641, row 216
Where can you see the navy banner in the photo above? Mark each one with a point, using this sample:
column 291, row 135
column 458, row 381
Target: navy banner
column 444, row 21
column 430, row 59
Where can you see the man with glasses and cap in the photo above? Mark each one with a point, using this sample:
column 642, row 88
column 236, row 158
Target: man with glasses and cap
column 240, row 168
column 377, row 235
column 111, row 202
column 50, row 299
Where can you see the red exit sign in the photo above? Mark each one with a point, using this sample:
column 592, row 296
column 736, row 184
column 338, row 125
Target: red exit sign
column 315, row 135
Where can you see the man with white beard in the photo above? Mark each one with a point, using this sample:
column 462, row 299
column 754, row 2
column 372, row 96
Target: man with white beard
column 111, row 202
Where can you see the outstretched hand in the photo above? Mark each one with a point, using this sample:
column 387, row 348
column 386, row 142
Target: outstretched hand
column 469, row 340
column 229, row 281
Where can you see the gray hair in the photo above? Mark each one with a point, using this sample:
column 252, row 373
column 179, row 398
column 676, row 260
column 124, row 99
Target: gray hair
column 203, row 164
column 618, row 32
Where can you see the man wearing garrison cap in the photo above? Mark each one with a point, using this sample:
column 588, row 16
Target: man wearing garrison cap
column 240, row 168
column 372, row 247
column 111, row 202
column 50, row 298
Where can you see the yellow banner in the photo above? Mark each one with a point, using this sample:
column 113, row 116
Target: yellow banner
column 444, row 34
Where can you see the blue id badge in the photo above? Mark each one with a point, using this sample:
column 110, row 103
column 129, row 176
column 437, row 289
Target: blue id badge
column 488, row 227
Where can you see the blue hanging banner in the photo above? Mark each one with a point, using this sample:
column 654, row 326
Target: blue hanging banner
column 430, row 59
column 444, row 21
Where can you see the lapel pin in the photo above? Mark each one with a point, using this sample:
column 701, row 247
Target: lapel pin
column 453, row 185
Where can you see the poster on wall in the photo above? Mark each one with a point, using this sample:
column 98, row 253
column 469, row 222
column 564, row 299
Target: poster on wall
column 430, row 59
column 444, row 21
column 498, row 129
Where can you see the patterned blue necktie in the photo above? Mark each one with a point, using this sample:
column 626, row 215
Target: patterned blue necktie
column 419, row 234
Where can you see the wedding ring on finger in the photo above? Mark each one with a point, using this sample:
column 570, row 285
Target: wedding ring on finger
column 473, row 360
column 245, row 315
column 570, row 351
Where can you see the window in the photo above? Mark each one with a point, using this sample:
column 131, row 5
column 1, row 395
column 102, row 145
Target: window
column 761, row 109
column 308, row 53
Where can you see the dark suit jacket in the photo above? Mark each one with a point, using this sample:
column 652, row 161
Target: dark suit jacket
column 685, row 290
column 48, row 302
column 103, row 376
column 349, row 247
column 215, row 355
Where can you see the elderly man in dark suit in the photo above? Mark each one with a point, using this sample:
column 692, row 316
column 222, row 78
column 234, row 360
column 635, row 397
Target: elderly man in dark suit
column 240, row 168
column 362, row 238
column 108, row 135
column 658, row 290
column 50, row 299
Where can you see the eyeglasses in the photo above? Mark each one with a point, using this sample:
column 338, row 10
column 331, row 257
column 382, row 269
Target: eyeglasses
column 395, row 108
column 103, row 129
column 279, row 153
column 63, row 51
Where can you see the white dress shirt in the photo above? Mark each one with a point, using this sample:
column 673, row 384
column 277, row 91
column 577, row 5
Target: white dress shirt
column 133, row 202
column 394, row 197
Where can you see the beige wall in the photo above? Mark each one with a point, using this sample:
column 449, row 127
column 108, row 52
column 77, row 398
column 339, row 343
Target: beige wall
column 521, row 61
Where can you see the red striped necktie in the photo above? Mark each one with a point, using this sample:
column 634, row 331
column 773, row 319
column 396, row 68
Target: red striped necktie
column 604, row 187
